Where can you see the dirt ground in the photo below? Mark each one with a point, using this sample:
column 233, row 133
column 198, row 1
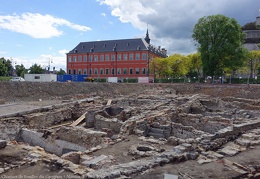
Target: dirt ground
column 26, row 96
column 187, row 169
column 216, row 169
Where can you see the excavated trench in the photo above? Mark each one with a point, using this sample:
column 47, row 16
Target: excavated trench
column 39, row 127
column 190, row 124
column 109, row 121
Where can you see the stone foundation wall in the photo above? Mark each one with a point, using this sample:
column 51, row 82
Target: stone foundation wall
column 80, row 135
column 47, row 119
column 206, row 124
column 10, row 129
column 113, row 124
column 55, row 146
column 184, row 132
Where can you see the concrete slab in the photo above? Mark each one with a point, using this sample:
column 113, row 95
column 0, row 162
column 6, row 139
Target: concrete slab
column 95, row 160
column 169, row 176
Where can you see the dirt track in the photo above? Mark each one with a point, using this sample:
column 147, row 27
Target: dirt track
column 29, row 91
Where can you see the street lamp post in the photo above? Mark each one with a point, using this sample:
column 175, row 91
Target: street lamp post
column 49, row 67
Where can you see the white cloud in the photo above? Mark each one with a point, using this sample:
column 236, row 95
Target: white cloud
column 103, row 14
column 63, row 52
column 128, row 11
column 171, row 21
column 37, row 25
column 2, row 52
column 58, row 61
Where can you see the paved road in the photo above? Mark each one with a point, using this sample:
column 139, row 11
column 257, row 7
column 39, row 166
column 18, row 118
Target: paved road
column 7, row 109
column 12, row 108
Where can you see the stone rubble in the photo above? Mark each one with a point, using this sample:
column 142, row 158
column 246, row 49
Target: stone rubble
column 171, row 128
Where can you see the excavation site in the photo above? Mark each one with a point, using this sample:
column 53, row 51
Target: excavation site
column 127, row 130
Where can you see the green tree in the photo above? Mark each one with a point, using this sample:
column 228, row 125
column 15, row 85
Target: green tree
column 3, row 68
column 21, row 70
column 195, row 65
column 10, row 68
column 36, row 69
column 254, row 62
column 160, row 67
column 178, row 65
column 61, row 72
column 219, row 40
column 235, row 61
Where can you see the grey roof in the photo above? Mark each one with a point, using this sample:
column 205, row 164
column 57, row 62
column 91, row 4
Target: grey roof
column 251, row 46
column 111, row 45
column 252, row 33
column 122, row 45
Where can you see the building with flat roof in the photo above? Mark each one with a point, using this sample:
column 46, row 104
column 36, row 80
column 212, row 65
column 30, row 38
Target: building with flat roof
column 125, row 58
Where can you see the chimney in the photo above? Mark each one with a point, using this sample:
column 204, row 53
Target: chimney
column 164, row 51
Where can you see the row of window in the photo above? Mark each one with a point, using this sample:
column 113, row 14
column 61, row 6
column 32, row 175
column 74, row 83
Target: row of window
column 107, row 57
column 108, row 71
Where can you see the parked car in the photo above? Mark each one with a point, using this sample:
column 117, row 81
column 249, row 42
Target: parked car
column 17, row 79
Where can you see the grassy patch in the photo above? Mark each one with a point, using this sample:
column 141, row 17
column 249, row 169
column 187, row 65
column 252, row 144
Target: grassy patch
column 5, row 78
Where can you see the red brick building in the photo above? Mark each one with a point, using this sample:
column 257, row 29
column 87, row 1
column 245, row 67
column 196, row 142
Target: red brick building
column 125, row 58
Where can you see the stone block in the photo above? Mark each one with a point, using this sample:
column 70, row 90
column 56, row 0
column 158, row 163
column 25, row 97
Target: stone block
column 90, row 119
column 156, row 135
column 94, row 161
column 179, row 149
column 157, row 130
column 169, row 176
column 74, row 157
column 192, row 155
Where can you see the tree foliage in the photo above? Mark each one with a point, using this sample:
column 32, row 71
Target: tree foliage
column 254, row 62
column 61, row 72
column 36, row 69
column 6, row 68
column 179, row 65
column 175, row 65
column 160, row 67
column 3, row 68
column 219, row 40
column 195, row 65
column 20, row 70
column 249, row 26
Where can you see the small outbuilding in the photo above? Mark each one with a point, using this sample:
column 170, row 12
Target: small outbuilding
column 40, row 77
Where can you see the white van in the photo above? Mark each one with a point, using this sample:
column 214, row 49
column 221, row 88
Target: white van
column 17, row 79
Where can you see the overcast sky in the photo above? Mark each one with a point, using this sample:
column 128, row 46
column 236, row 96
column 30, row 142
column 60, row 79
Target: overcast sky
column 43, row 31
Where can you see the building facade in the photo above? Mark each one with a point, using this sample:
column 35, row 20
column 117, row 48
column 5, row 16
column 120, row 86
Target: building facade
column 125, row 58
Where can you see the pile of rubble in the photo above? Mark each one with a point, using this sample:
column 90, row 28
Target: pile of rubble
column 79, row 136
